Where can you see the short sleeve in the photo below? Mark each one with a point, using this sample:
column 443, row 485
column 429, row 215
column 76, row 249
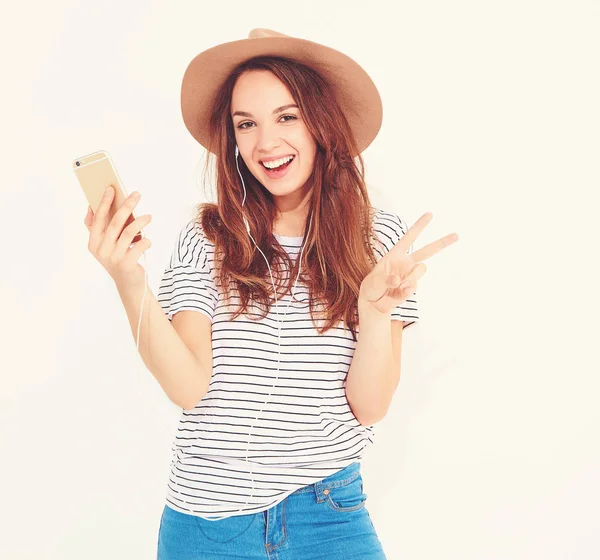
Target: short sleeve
column 389, row 228
column 187, row 282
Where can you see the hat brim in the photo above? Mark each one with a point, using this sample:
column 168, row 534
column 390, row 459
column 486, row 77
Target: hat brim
column 353, row 87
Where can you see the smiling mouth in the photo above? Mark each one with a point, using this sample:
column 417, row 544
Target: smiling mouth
column 282, row 166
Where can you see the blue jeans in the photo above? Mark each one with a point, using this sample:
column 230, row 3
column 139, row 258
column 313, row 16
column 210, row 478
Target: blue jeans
column 326, row 520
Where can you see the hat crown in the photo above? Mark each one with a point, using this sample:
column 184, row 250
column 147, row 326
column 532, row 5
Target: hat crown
column 260, row 32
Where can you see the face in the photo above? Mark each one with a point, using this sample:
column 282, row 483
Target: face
column 265, row 130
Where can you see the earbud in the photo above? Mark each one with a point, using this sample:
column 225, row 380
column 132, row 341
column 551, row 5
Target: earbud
column 236, row 151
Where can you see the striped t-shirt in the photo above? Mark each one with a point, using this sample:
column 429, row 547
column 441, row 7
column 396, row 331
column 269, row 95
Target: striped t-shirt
column 305, row 432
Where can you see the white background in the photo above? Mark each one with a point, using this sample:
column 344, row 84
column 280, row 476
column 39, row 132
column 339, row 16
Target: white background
column 491, row 122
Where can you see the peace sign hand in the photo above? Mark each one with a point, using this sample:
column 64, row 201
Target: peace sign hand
column 394, row 278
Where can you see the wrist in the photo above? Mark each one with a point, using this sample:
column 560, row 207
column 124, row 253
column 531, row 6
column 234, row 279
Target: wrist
column 129, row 286
column 367, row 310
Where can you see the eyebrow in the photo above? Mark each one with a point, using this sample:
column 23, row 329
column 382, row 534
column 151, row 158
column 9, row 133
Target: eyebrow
column 278, row 110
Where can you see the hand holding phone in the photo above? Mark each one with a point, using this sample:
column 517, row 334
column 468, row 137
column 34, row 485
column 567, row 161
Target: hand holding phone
column 95, row 172
column 113, row 244
column 116, row 237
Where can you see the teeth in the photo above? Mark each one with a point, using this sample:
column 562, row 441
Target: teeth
column 277, row 162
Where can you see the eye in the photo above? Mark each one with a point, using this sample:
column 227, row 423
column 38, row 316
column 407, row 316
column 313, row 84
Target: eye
column 242, row 127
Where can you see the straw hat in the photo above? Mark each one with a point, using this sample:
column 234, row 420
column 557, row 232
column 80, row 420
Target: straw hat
column 354, row 89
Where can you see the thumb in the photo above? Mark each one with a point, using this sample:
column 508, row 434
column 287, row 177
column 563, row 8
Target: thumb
column 394, row 280
column 88, row 218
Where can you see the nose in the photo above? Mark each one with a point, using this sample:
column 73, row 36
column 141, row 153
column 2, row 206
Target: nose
column 268, row 140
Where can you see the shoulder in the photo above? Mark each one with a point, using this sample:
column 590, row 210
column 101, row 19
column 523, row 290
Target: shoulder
column 191, row 245
column 388, row 227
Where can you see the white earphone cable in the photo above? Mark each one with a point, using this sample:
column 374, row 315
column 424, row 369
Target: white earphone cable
column 278, row 336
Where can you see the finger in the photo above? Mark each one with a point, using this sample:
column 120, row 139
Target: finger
column 394, row 280
column 391, row 265
column 391, row 299
column 433, row 248
column 126, row 237
column 99, row 225
column 416, row 274
column 394, row 263
column 383, row 284
column 115, row 228
column 88, row 218
column 413, row 232
column 135, row 252
column 399, row 295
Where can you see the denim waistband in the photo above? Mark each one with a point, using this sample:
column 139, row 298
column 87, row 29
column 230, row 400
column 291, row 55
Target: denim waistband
column 339, row 478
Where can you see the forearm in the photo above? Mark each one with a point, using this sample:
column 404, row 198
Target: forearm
column 161, row 348
column 373, row 376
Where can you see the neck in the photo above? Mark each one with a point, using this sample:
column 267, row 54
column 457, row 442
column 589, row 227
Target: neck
column 291, row 222
column 292, row 212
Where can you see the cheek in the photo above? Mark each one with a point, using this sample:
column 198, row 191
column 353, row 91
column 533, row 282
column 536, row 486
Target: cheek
column 309, row 155
column 306, row 145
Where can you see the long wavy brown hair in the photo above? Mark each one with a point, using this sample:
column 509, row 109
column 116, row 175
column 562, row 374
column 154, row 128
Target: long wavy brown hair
column 337, row 253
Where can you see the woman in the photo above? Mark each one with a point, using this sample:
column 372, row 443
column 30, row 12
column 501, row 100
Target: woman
column 266, row 460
